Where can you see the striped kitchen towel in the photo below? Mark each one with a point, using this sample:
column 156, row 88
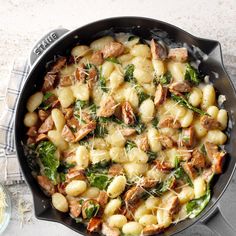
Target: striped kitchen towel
column 10, row 170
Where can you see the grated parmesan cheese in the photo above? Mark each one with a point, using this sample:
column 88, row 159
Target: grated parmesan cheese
column 3, row 204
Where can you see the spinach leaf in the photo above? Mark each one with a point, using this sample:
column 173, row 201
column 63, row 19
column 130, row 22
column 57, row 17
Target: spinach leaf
column 92, row 210
column 113, row 60
column 45, row 105
column 102, row 81
column 129, row 73
column 139, row 127
column 191, row 75
column 196, row 206
column 101, row 167
column 165, row 79
column 100, row 181
column 167, row 184
column 46, row 151
column 183, row 102
column 181, row 174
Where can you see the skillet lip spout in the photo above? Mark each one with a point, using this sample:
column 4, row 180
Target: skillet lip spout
column 42, row 204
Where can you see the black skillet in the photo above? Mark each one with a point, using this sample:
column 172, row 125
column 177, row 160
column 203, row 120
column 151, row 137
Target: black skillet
column 59, row 42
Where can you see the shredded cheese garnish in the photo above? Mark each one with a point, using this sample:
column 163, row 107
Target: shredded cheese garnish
column 3, row 204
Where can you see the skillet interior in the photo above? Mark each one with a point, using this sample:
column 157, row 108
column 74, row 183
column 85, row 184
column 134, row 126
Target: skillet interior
column 144, row 28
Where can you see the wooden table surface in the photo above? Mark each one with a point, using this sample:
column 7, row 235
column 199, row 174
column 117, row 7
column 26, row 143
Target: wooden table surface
column 23, row 22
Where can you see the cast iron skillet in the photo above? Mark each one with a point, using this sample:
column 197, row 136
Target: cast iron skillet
column 145, row 28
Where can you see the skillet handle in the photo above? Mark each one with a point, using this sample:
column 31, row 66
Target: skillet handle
column 44, row 43
column 218, row 224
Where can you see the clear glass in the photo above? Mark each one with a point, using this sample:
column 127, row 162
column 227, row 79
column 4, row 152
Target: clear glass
column 7, row 213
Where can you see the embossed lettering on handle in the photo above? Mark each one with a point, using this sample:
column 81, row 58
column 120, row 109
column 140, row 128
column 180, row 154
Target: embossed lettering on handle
column 52, row 37
column 44, row 43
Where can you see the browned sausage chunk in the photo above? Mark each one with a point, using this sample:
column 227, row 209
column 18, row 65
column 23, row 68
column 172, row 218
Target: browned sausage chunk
column 209, row 123
column 127, row 113
column 178, row 54
column 46, row 184
column 85, row 130
column 32, row 131
column 80, row 73
column 75, row 207
column 158, row 52
column 169, row 122
column 65, row 81
column 133, row 195
column 126, row 132
column 188, row 136
column 160, row 95
column 75, row 175
column 94, row 224
column 188, row 168
column 181, row 87
column 113, row 49
column 166, row 141
column 107, row 107
column 163, row 166
column 41, row 137
column 58, row 65
column 153, row 229
column 67, row 134
column 43, row 115
column 142, row 142
column 116, row 169
column 198, row 160
column 102, row 198
column 48, row 83
column 97, row 58
column 46, row 126
column 173, row 205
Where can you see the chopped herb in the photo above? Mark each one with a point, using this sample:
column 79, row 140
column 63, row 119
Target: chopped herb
column 81, row 201
column 62, row 177
column 129, row 145
column 165, row 79
column 129, row 73
column 102, row 82
column 45, row 105
column 92, row 210
column 46, row 151
column 113, row 60
column 77, row 116
column 181, row 174
column 183, row 102
column 79, row 104
column 191, row 75
column 196, row 206
column 88, row 66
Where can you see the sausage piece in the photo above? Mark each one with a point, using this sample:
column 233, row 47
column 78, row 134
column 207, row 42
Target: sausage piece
column 160, row 95
column 113, row 49
column 67, row 134
column 127, row 113
column 181, row 87
column 46, row 126
column 107, row 107
column 97, row 58
column 209, row 123
column 169, row 122
column 198, row 160
column 188, row 136
column 85, row 130
column 158, row 52
column 46, row 184
column 178, row 54
column 142, row 142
